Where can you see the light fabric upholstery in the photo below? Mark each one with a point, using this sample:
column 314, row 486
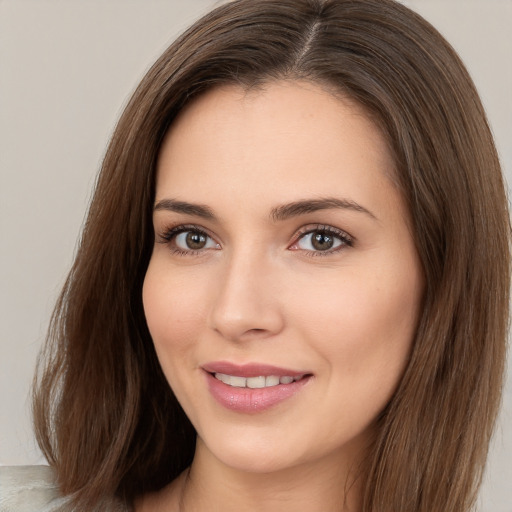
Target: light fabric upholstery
column 33, row 489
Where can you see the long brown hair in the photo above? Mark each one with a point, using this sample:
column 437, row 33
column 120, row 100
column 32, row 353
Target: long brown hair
column 104, row 414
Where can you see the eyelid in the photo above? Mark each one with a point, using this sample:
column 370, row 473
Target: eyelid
column 172, row 230
column 346, row 238
column 168, row 234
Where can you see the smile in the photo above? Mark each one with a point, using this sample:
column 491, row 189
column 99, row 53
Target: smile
column 257, row 382
column 255, row 387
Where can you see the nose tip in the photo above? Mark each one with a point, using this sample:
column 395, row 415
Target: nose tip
column 247, row 306
column 245, row 326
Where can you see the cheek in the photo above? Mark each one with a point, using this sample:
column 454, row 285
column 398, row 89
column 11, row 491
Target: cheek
column 360, row 308
column 173, row 310
column 363, row 327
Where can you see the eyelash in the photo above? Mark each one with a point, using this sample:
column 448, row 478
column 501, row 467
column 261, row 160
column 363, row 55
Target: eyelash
column 170, row 234
column 345, row 239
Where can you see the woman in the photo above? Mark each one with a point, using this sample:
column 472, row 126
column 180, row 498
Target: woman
column 298, row 250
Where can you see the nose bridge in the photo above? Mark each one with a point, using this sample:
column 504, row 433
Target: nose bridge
column 246, row 302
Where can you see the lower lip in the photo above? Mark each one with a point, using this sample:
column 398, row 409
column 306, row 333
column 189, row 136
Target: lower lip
column 249, row 400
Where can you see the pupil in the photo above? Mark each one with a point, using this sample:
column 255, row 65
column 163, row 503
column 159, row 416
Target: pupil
column 195, row 240
column 322, row 241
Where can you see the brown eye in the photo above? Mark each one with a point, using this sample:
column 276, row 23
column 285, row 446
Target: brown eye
column 322, row 241
column 195, row 240
column 192, row 240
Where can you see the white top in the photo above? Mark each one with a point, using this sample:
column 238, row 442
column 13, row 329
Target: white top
column 33, row 489
column 29, row 489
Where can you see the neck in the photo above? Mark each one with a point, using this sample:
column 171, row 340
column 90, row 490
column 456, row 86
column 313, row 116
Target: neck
column 328, row 484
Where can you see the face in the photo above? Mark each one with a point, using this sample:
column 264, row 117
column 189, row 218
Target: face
column 282, row 259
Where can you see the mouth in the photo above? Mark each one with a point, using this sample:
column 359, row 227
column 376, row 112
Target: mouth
column 253, row 388
column 258, row 382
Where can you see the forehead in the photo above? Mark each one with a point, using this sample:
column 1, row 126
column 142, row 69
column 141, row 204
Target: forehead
column 274, row 143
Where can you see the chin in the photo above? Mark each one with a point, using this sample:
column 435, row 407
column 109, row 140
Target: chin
column 253, row 453
column 262, row 463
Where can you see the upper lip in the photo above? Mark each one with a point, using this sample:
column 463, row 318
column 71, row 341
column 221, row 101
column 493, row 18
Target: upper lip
column 250, row 369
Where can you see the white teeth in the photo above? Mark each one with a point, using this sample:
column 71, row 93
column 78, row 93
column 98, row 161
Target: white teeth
column 272, row 380
column 255, row 382
column 237, row 382
column 223, row 377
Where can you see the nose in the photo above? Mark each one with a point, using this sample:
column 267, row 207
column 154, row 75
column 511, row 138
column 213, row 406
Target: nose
column 246, row 305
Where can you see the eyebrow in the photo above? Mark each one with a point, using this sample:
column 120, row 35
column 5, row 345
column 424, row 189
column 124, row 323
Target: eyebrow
column 278, row 213
column 303, row 207
column 172, row 205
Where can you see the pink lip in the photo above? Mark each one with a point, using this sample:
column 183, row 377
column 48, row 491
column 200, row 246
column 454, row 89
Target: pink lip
column 247, row 400
column 250, row 370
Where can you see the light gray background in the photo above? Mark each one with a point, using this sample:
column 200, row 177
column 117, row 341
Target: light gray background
column 67, row 68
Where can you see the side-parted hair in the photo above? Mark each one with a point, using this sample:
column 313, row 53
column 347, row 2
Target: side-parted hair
column 105, row 416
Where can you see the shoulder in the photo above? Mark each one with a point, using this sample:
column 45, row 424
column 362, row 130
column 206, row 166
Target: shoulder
column 28, row 489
